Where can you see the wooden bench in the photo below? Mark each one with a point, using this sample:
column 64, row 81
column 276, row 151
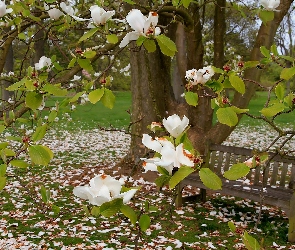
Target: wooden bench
column 274, row 185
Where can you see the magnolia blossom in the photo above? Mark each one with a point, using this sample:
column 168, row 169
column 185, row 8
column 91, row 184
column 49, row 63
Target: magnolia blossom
column 71, row 11
column 270, row 4
column 99, row 15
column 3, row 10
column 142, row 26
column 103, row 188
column 53, row 13
column 200, row 76
column 174, row 125
column 171, row 157
column 250, row 162
column 43, row 62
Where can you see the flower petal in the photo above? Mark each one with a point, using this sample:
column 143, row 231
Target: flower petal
column 131, row 36
column 150, row 143
column 136, row 20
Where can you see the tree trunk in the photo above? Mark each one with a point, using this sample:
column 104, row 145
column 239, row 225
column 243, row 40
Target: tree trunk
column 152, row 93
column 151, row 88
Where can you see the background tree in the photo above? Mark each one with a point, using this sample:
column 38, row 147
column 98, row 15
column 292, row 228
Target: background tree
column 153, row 96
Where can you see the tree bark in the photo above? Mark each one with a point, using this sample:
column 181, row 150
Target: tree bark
column 151, row 85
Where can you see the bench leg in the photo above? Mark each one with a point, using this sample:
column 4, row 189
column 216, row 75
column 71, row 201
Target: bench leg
column 291, row 232
column 178, row 200
column 203, row 194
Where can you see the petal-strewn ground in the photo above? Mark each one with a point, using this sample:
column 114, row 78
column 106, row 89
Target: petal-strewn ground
column 27, row 223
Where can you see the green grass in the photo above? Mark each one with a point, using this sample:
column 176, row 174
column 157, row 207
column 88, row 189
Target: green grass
column 189, row 227
column 91, row 116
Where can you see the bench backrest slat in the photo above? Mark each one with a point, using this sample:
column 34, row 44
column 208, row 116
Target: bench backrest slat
column 274, row 175
column 219, row 163
column 279, row 172
column 257, row 175
column 284, row 174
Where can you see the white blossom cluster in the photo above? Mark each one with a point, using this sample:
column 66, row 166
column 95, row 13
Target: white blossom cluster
column 200, row 76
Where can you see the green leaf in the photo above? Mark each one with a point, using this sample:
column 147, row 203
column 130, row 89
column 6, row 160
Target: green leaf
column 237, row 83
column 112, row 38
column 89, row 54
column 289, row 99
column 162, row 170
column 186, row 3
column 8, row 152
column 216, row 86
column 150, row 45
column 288, row 58
column 3, row 145
column 33, row 100
column 16, row 85
column 52, row 115
column 95, row 211
column 2, row 128
column 237, row 171
column 3, row 168
column 218, row 70
column 162, row 180
column 287, row 73
column 88, row 34
column 86, row 210
column 129, row 213
column 191, row 98
column 2, row 182
column 210, row 179
column 85, row 64
column 227, row 116
column 108, row 209
column 72, row 62
column 175, row 3
column 181, row 173
column 95, row 95
column 251, row 64
column 266, row 16
column 232, row 226
column 108, row 99
column 250, row 242
column 274, row 50
column 140, row 40
column 273, row 110
column 264, row 51
column 144, row 222
column 44, row 194
column 77, row 96
column 40, row 155
column 55, row 90
column 238, row 110
column 167, row 46
column 280, row 91
column 55, row 209
column 22, row 36
column 39, row 133
column 19, row 163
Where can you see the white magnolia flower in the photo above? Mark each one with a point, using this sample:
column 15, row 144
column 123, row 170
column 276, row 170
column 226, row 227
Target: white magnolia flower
column 103, row 188
column 43, row 62
column 54, row 13
column 142, row 26
column 99, row 15
column 76, row 78
column 270, row 4
column 3, row 10
column 171, row 157
column 71, row 11
column 174, row 125
column 200, row 76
